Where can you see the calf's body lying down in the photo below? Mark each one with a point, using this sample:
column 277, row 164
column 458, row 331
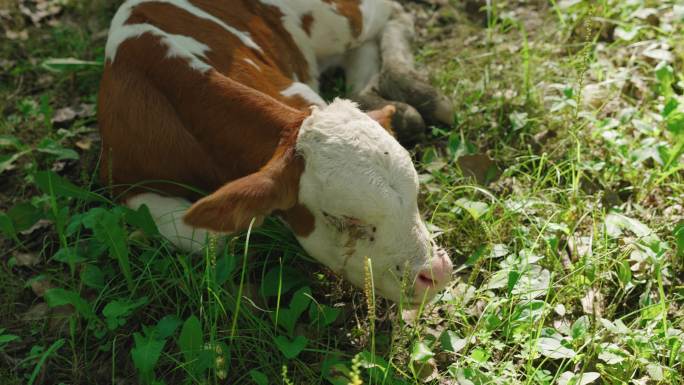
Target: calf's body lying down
column 222, row 96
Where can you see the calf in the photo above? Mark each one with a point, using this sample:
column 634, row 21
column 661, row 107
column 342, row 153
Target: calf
column 221, row 96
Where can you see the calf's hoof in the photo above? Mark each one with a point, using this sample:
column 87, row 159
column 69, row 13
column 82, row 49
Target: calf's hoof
column 410, row 87
column 406, row 123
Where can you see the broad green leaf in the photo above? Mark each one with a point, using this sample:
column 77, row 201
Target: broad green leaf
column 468, row 375
column 675, row 123
column 291, row 278
column 190, row 341
column 679, row 238
column 287, row 318
column 6, row 226
column 6, row 339
column 258, row 377
column 11, row 141
column 670, row 106
column 108, row 229
column 291, row 348
column 51, row 183
column 616, row 224
column 300, row 300
column 7, row 161
column 552, row 348
column 60, row 297
column 69, row 256
column 142, row 219
column 421, row 352
column 513, row 278
column 580, row 327
column 452, row 342
column 570, row 378
column 323, row 314
column 93, row 277
column 335, row 370
column 474, row 208
column 480, row 355
column 145, row 355
column 225, row 265
column 665, row 76
column 49, row 146
column 117, row 311
column 24, row 215
column 167, row 326
column 376, row 366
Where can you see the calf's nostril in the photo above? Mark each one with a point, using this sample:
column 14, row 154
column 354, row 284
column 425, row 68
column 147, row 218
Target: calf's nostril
column 426, row 279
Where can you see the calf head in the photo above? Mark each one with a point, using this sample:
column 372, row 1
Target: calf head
column 349, row 191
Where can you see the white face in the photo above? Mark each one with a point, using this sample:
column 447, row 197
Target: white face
column 361, row 186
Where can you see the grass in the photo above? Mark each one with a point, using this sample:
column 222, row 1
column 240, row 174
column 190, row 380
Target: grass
column 558, row 193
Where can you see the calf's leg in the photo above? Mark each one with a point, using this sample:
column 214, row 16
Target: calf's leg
column 168, row 213
column 399, row 79
column 362, row 68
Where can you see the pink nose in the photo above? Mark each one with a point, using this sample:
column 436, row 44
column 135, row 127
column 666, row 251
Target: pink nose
column 435, row 277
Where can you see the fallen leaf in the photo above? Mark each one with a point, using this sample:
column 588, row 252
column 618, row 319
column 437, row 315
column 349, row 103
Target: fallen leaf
column 426, row 371
column 41, row 224
column 85, row 143
column 40, row 286
column 36, row 312
column 593, row 302
column 552, row 348
column 85, row 110
column 570, row 378
column 479, row 166
column 16, row 35
column 659, row 54
column 26, row 259
column 64, row 116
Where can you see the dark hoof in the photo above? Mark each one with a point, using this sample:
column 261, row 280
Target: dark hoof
column 408, row 86
column 407, row 125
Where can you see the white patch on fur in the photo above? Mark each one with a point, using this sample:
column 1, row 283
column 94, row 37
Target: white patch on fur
column 292, row 11
column 355, row 169
column 331, row 35
column 361, row 65
column 120, row 32
column 375, row 13
column 252, row 63
column 167, row 213
column 304, row 91
column 177, row 45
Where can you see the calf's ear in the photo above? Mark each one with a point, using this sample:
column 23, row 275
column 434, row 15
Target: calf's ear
column 232, row 207
column 384, row 117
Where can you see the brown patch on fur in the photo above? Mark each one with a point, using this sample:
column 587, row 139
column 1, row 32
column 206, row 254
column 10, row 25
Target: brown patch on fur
column 184, row 126
column 307, row 20
column 232, row 207
column 228, row 130
column 300, row 219
column 351, row 9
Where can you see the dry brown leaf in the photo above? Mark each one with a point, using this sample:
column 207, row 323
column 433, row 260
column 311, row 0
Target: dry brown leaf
column 41, row 224
column 17, row 35
column 593, row 302
column 85, row 110
column 26, row 259
column 41, row 286
column 479, row 166
column 85, row 143
column 427, row 371
column 36, row 312
column 64, row 115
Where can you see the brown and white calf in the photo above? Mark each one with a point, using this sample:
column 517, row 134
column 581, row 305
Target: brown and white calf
column 221, row 95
